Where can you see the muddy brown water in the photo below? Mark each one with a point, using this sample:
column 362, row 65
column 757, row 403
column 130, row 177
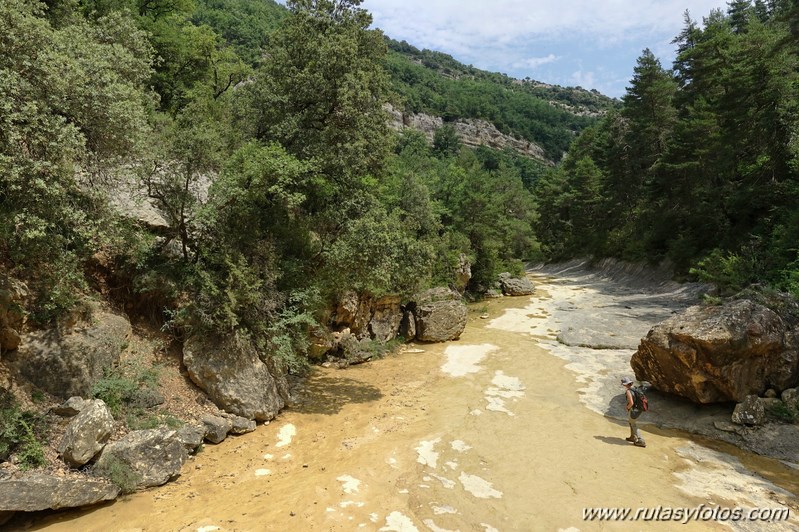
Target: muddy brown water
column 485, row 433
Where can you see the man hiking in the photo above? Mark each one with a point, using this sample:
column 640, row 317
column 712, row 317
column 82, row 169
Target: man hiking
column 632, row 413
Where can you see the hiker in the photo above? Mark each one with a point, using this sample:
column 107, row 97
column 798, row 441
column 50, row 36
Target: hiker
column 632, row 414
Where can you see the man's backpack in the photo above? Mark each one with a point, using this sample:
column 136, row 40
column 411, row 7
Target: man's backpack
column 640, row 402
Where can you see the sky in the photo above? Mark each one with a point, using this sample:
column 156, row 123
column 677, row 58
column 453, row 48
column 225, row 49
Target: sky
column 589, row 43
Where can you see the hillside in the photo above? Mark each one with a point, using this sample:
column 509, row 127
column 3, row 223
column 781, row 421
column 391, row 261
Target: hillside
column 434, row 83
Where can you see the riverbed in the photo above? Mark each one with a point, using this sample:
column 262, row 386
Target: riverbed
column 508, row 428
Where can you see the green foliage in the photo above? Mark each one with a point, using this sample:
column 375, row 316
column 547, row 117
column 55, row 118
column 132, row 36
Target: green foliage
column 784, row 412
column 18, row 435
column 435, row 83
column 699, row 166
column 57, row 113
column 140, row 419
column 242, row 23
column 320, row 96
column 446, row 142
column 120, row 473
column 126, row 386
column 729, row 271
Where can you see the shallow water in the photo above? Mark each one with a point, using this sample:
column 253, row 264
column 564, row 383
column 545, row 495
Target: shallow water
column 487, row 433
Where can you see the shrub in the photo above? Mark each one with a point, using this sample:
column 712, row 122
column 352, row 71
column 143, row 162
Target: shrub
column 126, row 386
column 18, row 435
column 120, row 474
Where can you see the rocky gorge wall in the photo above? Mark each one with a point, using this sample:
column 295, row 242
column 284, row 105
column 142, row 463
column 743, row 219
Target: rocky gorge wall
column 472, row 132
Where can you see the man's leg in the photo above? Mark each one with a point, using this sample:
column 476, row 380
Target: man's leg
column 635, row 434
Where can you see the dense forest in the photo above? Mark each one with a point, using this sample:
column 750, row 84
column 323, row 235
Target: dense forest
column 699, row 166
column 260, row 134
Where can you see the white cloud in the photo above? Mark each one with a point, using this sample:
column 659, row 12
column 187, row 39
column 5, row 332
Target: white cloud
column 548, row 40
column 535, row 62
column 504, row 21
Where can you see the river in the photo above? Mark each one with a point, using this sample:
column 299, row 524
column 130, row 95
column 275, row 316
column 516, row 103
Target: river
column 505, row 429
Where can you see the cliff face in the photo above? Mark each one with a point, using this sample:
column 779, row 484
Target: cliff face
column 472, row 132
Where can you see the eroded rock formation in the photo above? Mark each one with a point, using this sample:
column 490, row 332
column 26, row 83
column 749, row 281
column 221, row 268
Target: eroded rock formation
column 720, row 353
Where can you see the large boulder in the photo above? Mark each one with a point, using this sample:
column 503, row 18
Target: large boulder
column 719, row 353
column 440, row 315
column 154, row 456
column 233, row 375
column 386, row 318
column 86, row 434
column 68, row 364
column 515, row 286
column 37, row 491
column 354, row 312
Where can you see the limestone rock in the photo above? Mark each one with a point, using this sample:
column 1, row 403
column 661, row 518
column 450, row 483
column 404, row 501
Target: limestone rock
column 353, row 350
column 749, row 412
column 321, row 343
column 790, row 396
column 719, row 353
column 386, row 318
column 463, row 273
column 240, row 425
column 440, row 315
column 37, row 492
column 515, row 286
column 354, row 312
column 472, row 132
column 155, row 456
column 68, row 364
column 86, row 434
column 216, row 428
column 71, row 407
column 408, row 326
column 191, row 436
column 233, row 375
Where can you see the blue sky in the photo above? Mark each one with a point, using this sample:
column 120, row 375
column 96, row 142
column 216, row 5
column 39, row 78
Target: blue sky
column 593, row 44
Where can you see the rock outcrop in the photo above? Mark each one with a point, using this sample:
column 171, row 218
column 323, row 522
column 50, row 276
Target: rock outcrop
column 472, row 132
column 515, row 286
column 68, row 364
column 12, row 294
column 86, row 434
column 233, row 375
column 440, row 315
column 36, row 492
column 386, row 318
column 720, row 353
column 154, row 456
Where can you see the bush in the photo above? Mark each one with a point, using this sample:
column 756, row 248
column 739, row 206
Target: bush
column 729, row 271
column 126, row 386
column 18, row 435
column 120, row 474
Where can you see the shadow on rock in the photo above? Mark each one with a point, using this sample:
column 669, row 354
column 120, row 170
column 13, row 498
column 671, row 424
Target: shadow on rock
column 328, row 395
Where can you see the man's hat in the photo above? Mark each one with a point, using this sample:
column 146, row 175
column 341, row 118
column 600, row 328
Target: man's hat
column 625, row 381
